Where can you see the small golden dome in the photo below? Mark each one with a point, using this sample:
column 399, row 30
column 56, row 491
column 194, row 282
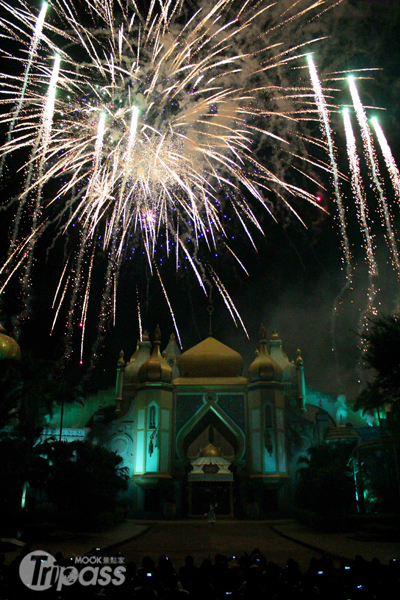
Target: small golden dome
column 138, row 358
column 210, row 358
column 156, row 367
column 210, row 450
column 8, row 347
column 278, row 355
column 263, row 367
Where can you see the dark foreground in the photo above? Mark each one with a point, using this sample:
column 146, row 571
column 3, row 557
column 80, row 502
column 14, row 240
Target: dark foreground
column 177, row 539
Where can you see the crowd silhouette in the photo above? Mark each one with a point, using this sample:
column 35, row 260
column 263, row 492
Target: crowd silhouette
column 242, row 577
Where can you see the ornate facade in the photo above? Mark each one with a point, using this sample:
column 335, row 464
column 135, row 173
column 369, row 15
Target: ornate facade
column 193, row 430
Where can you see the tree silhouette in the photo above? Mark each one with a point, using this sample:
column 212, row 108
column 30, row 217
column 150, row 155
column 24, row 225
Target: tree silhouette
column 82, row 479
column 326, row 484
column 383, row 360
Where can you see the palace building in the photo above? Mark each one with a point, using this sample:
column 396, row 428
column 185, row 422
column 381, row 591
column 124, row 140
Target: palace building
column 194, row 430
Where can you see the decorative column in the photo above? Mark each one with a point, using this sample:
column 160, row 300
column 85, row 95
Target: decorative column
column 266, row 430
column 301, row 384
column 153, row 427
column 120, row 382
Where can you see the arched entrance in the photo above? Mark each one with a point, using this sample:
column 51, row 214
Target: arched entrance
column 210, row 447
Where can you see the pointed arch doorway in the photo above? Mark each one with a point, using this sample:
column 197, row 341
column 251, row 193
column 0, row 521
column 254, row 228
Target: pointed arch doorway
column 210, row 447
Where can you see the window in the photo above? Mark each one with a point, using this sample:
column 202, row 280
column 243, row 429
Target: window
column 152, row 417
column 268, row 417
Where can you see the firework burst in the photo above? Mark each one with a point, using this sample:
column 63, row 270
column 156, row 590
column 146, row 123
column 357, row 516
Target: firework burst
column 139, row 124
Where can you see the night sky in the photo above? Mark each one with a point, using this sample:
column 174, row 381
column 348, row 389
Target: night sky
column 296, row 273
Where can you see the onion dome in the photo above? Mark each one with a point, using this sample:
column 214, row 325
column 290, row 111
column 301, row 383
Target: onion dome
column 210, row 450
column 279, row 356
column 156, row 368
column 143, row 354
column 263, row 367
column 210, row 358
column 8, row 347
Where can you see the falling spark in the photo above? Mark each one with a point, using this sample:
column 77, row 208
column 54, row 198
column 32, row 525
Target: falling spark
column 145, row 130
column 169, row 306
column 362, row 213
column 139, row 315
column 325, row 121
column 374, row 169
column 326, row 128
column 37, row 33
column 388, row 156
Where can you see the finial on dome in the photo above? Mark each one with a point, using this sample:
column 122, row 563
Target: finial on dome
column 145, row 336
column 164, row 354
column 121, row 362
column 275, row 335
column 256, row 352
column 263, row 333
column 210, row 310
column 299, row 360
column 157, row 334
column 172, row 337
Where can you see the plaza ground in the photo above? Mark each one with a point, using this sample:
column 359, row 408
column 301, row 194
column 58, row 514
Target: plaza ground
column 277, row 540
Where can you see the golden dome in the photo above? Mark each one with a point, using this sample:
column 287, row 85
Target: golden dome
column 263, row 367
column 210, row 358
column 8, row 347
column 156, row 367
column 210, row 450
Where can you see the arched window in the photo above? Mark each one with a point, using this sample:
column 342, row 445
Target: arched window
column 152, row 417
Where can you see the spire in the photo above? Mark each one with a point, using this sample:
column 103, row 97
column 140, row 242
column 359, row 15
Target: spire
column 299, row 359
column 121, row 362
column 210, row 310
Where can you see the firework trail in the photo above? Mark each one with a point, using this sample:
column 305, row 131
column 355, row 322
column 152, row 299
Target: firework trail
column 362, row 214
column 326, row 128
column 145, row 127
column 37, row 33
column 374, row 170
column 388, row 156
